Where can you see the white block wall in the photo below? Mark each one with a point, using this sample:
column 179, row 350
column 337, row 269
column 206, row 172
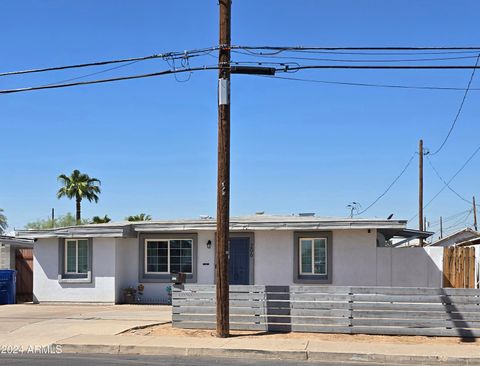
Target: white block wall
column 7, row 257
column 410, row 267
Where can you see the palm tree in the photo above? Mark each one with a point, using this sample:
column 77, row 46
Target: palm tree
column 101, row 220
column 140, row 217
column 79, row 186
column 3, row 221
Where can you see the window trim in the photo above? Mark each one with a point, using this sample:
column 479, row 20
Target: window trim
column 168, row 256
column 65, row 277
column 146, row 277
column 310, row 278
column 300, row 266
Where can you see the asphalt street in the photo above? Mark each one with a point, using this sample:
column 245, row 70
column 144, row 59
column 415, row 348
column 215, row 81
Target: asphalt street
column 100, row 360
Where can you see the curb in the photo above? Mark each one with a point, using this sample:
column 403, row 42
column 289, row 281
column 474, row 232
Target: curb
column 267, row 354
column 395, row 359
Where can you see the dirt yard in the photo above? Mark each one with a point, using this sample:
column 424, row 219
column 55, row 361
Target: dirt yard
column 168, row 330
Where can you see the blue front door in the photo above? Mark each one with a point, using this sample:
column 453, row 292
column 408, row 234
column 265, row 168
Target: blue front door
column 239, row 263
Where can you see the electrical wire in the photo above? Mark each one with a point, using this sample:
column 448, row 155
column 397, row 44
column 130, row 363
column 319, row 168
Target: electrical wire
column 176, row 54
column 446, row 183
column 93, row 73
column 379, row 67
column 356, row 60
column 303, row 48
column 449, row 181
column 461, row 221
column 448, row 218
column 367, row 84
column 99, row 63
column 130, row 77
column 459, row 109
column 370, row 53
column 208, row 51
column 388, row 188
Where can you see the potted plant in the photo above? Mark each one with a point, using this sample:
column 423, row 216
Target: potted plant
column 129, row 295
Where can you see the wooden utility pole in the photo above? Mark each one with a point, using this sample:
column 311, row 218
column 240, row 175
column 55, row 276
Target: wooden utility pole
column 223, row 178
column 441, row 227
column 420, row 188
column 474, row 214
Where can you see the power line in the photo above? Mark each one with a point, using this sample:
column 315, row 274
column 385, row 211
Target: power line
column 94, row 73
column 303, row 48
column 207, row 51
column 355, row 60
column 370, row 85
column 130, row 77
column 448, row 218
column 379, row 67
column 449, row 181
column 65, row 67
column 167, row 55
column 461, row 221
column 459, row 109
column 369, row 53
column 445, row 182
column 388, row 188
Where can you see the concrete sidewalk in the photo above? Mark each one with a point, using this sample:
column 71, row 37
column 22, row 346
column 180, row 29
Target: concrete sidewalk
column 41, row 325
column 287, row 349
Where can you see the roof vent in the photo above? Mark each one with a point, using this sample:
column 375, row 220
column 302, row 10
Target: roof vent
column 205, row 217
column 306, row 214
column 259, row 212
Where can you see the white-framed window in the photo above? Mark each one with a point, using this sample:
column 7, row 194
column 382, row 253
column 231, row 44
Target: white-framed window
column 313, row 256
column 76, row 256
column 164, row 256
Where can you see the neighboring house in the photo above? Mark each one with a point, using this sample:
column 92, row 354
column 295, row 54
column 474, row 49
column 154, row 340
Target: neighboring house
column 17, row 254
column 8, row 244
column 463, row 237
column 94, row 263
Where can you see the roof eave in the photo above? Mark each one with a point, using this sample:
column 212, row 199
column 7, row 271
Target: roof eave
column 17, row 242
column 80, row 231
column 254, row 226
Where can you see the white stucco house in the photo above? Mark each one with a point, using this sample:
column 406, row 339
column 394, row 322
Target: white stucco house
column 94, row 263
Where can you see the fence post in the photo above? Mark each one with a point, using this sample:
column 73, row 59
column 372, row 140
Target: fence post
column 350, row 310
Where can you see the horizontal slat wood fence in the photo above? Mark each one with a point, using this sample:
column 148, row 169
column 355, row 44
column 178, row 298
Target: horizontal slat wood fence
column 333, row 309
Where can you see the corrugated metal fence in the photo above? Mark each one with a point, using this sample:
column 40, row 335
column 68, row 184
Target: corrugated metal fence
column 333, row 309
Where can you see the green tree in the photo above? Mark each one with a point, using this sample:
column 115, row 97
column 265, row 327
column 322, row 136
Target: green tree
column 139, row 217
column 3, row 221
column 100, row 220
column 79, row 186
column 61, row 221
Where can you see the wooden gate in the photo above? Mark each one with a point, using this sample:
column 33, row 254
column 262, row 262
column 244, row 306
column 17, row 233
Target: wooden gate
column 459, row 267
column 24, row 267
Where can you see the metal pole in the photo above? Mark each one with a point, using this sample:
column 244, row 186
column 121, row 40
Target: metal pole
column 441, row 227
column 474, row 214
column 223, row 179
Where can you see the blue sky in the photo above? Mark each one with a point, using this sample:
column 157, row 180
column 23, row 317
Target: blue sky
column 296, row 147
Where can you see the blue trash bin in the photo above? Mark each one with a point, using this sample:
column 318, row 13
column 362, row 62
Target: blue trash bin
column 8, row 286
